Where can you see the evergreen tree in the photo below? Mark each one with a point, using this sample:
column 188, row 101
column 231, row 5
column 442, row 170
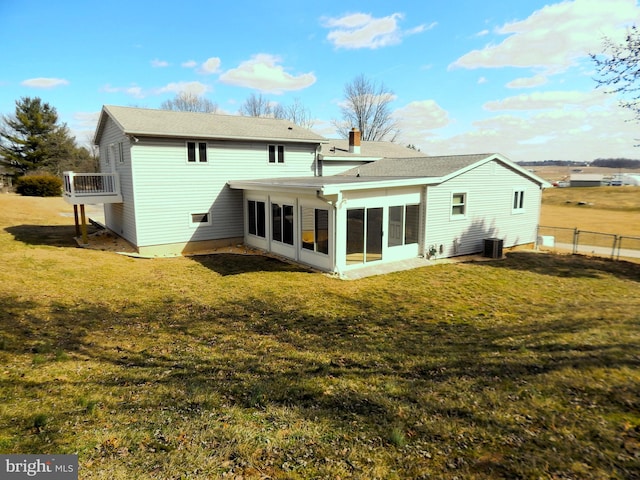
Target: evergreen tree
column 32, row 139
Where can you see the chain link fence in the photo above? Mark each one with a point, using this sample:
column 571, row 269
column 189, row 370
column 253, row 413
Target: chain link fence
column 586, row 242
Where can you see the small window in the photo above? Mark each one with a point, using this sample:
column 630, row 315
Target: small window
column 276, row 153
column 201, row 218
column 256, row 216
column 459, row 204
column 518, row 201
column 196, row 152
column 120, row 152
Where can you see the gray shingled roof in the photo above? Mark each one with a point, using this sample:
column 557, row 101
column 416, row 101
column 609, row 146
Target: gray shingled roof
column 416, row 167
column 165, row 123
column 339, row 147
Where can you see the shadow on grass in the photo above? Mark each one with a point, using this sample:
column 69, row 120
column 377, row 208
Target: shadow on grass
column 50, row 235
column 234, row 264
column 571, row 266
column 365, row 369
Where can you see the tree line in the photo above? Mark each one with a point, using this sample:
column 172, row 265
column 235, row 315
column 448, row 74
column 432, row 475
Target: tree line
column 599, row 162
column 33, row 139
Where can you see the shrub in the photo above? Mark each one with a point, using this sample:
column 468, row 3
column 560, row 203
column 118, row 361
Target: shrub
column 44, row 185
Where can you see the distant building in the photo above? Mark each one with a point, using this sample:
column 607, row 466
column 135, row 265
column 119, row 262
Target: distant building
column 586, row 180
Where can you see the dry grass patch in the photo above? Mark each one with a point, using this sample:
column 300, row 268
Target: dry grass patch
column 228, row 366
column 600, row 209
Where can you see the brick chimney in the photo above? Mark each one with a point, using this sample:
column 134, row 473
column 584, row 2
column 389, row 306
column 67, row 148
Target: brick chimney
column 354, row 140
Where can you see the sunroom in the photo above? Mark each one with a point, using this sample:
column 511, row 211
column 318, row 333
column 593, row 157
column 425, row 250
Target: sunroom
column 336, row 224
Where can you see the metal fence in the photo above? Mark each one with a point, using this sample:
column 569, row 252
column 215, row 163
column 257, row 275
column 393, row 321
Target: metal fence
column 588, row 243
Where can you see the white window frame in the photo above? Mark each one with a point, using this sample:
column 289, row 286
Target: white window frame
column 517, row 200
column 279, row 155
column 265, row 218
column 197, row 144
column 195, row 224
column 464, row 204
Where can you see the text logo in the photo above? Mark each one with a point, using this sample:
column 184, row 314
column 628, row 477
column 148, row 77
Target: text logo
column 49, row 467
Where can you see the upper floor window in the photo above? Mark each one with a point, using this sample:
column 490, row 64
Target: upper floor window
column 276, row 153
column 459, row 205
column 120, row 153
column 196, row 152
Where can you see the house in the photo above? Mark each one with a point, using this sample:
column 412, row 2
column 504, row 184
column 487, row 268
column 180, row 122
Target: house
column 189, row 182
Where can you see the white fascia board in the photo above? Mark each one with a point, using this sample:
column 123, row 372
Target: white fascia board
column 349, row 158
column 496, row 156
column 378, row 184
column 141, row 133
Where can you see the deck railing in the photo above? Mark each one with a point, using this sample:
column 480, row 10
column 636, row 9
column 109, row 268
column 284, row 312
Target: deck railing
column 89, row 186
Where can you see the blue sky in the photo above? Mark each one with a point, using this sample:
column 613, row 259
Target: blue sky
column 468, row 76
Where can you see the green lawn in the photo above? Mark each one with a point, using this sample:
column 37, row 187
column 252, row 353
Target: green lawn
column 229, row 366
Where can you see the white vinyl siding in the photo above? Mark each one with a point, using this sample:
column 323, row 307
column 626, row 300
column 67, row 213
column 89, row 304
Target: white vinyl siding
column 119, row 217
column 168, row 188
column 488, row 210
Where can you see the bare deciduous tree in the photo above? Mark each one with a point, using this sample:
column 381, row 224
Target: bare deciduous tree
column 259, row 106
column 299, row 114
column 189, row 102
column 367, row 106
column 618, row 67
column 256, row 106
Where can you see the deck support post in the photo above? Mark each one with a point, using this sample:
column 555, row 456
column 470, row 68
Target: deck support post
column 75, row 217
column 83, row 226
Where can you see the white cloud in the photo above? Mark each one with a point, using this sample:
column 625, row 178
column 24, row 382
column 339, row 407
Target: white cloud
column 133, row 91
column 211, row 65
column 554, row 37
column 189, row 64
column 87, row 120
column 482, row 80
column 43, row 82
column 528, row 82
column 554, row 133
column 195, row 88
column 155, row 63
column 263, row 73
column 420, row 117
column 545, row 100
column 83, row 126
column 361, row 30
